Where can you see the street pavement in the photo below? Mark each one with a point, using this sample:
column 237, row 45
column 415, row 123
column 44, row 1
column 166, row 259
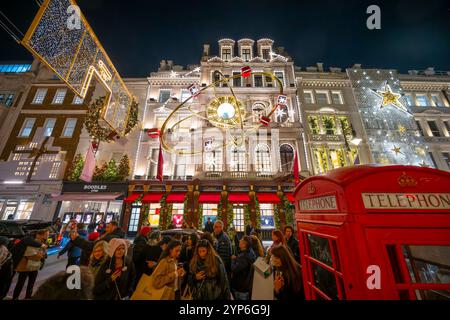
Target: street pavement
column 52, row 266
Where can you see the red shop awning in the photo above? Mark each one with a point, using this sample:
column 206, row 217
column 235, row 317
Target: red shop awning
column 209, row 197
column 176, row 197
column 132, row 197
column 268, row 198
column 100, row 196
column 152, row 197
column 239, row 198
column 290, row 197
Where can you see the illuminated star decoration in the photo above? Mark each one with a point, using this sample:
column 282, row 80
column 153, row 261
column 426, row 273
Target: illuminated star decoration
column 279, row 113
column 173, row 74
column 397, row 150
column 401, row 129
column 389, row 98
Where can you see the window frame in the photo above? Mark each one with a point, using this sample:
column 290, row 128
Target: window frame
column 21, row 135
column 63, row 134
column 339, row 93
column 250, row 53
column 39, row 92
column 326, row 92
column 160, row 96
column 47, row 120
column 57, row 99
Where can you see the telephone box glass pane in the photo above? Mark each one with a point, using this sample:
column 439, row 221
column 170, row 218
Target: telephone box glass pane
column 320, row 249
column 325, row 281
column 428, row 264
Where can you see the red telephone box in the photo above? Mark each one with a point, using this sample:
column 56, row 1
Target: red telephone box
column 375, row 232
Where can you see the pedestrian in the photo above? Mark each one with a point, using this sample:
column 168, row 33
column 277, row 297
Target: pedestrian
column 248, row 229
column 278, row 240
column 208, row 278
column 169, row 272
column 209, row 226
column 57, row 225
column 223, row 245
column 139, row 244
column 115, row 278
column 292, row 242
column 241, row 268
column 6, row 267
column 73, row 252
column 112, row 232
column 28, row 258
column 208, row 236
column 55, row 287
column 99, row 256
column 152, row 252
column 187, row 250
column 288, row 282
column 257, row 246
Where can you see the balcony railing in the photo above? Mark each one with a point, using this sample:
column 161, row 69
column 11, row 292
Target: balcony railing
column 327, row 137
column 437, row 139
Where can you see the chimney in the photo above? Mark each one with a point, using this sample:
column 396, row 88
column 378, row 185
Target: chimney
column 170, row 64
column 320, row 66
column 206, row 49
column 162, row 65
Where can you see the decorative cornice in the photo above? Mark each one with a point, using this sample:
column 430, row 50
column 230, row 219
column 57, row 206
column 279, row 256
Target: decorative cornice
column 324, row 83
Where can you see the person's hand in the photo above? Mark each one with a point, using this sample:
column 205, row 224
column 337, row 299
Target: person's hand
column 200, row 275
column 115, row 275
column 74, row 235
column 278, row 283
column 180, row 272
column 233, row 257
column 41, row 255
column 151, row 264
column 44, row 246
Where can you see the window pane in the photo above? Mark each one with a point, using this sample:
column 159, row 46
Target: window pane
column 40, row 95
column 325, row 281
column 48, row 128
column 321, row 98
column 69, row 127
column 337, row 98
column 266, row 54
column 59, row 96
column 238, row 217
column 320, row 249
column 434, row 128
column 77, row 100
column 9, row 100
column 308, row 97
column 237, row 82
column 422, row 100
column 437, row 100
column 267, row 211
column 164, row 95
column 287, row 157
column 258, row 81
column 27, row 127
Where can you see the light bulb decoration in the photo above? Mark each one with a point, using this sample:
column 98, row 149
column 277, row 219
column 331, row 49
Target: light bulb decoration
column 223, row 111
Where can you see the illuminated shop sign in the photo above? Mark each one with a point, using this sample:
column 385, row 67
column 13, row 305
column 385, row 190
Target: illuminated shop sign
column 399, row 201
column 318, row 204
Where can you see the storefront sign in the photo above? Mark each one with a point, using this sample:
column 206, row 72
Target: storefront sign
column 94, row 187
column 318, row 204
column 399, row 201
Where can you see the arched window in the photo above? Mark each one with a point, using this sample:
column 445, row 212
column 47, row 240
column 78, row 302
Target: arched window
column 286, row 157
column 258, row 111
column 263, row 158
column 281, row 114
column 216, row 77
column 238, row 161
column 213, row 160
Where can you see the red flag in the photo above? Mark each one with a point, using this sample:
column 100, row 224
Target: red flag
column 296, row 169
column 159, row 174
column 89, row 165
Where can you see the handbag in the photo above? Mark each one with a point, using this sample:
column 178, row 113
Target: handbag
column 146, row 291
column 187, row 294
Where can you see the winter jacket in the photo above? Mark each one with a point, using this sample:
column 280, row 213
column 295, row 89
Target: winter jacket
column 87, row 246
column 224, row 250
column 241, row 269
column 295, row 250
column 19, row 249
column 150, row 253
column 106, row 289
column 209, row 227
column 186, row 256
column 72, row 250
column 95, row 265
column 6, row 272
column 139, row 244
column 165, row 274
column 210, row 288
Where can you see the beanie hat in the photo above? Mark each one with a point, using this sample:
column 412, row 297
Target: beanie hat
column 93, row 236
column 145, row 231
column 115, row 243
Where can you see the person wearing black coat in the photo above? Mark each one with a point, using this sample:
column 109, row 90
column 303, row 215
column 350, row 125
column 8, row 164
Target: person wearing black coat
column 153, row 251
column 292, row 242
column 115, row 278
column 139, row 245
column 223, row 245
column 241, row 270
column 6, row 267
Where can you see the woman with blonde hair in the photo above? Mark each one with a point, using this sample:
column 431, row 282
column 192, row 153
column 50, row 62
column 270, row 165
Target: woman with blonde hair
column 98, row 256
column 257, row 246
column 207, row 275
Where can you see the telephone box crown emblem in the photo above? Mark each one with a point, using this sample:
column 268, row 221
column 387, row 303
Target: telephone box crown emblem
column 406, row 181
column 311, row 188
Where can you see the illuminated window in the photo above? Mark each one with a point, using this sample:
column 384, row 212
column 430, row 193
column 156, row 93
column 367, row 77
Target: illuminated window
column 238, row 217
column 336, row 96
column 422, row 100
column 437, row 100
column 263, row 163
column 286, row 157
column 409, row 100
column 314, row 124
column 154, row 213
column 48, row 127
column 39, row 96
column 27, row 127
column 267, row 220
column 238, row 159
column 77, row 100
column 134, row 219
column 177, row 214
column 209, row 211
column 329, row 124
column 69, row 127
column 24, row 210
column 9, row 100
column 59, row 96
column 337, row 158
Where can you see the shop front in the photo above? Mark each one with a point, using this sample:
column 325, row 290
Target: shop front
column 90, row 202
column 376, row 233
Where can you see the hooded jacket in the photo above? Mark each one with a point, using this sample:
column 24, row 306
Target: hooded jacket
column 241, row 268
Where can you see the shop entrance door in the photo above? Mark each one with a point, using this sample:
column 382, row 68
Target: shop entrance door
column 416, row 262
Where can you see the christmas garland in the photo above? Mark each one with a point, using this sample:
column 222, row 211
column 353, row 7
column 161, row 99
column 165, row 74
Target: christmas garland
column 247, row 218
column 165, row 217
column 200, row 216
column 288, row 210
column 257, row 214
column 138, row 199
column 230, row 215
column 94, row 114
column 226, row 216
column 185, row 209
column 276, row 214
column 146, row 210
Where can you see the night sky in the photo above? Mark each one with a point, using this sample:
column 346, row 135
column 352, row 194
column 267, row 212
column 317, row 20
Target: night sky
column 138, row 34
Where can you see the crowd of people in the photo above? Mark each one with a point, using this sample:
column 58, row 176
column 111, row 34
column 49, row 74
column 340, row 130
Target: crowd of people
column 207, row 265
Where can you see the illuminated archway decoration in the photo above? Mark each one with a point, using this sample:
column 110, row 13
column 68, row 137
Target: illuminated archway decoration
column 77, row 57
